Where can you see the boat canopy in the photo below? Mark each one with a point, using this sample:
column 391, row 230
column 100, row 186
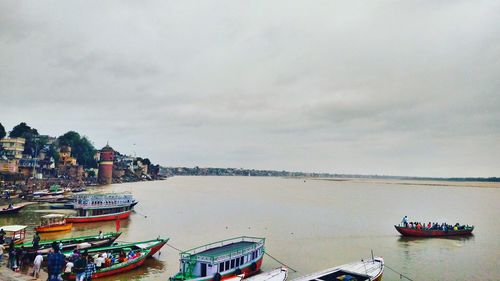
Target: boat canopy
column 52, row 216
column 13, row 228
column 103, row 200
column 223, row 250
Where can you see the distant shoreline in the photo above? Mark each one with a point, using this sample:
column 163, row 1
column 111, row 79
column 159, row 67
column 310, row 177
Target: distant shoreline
column 446, row 183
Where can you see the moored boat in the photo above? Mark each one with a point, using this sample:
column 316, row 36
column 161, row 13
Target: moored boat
column 69, row 244
column 102, row 207
column 14, row 232
column 222, row 260
column 120, row 267
column 153, row 245
column 53, row 223
column 370, row 270
column 278, row 274
column 425, row 232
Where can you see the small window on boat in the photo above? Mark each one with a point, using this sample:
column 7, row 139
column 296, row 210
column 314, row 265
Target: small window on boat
column 221, row 267
column 241, row 260
column 237, row 262
column 227, row 265
column 232, row 263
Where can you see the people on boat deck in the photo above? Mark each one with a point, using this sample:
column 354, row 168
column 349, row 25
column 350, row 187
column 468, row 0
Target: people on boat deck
column 436, row 226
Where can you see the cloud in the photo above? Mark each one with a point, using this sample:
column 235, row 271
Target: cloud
column 381, row 87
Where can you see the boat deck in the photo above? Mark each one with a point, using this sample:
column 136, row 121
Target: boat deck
column 362, row 270
column 233, row 247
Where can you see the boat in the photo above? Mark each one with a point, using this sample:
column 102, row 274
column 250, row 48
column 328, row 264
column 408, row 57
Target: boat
column 369, row 270
column 14, row 232
column 53, row 223
column 221, row 260
column 117, row 268
column 11, row 209
column 424, row 232
column 278, row 274
column 153, row 245
column 102, row 207
column 69, row 244
column 68, row 205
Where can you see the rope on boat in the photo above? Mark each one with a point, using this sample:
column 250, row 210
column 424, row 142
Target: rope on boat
column 177, row 249
column 280, row 262
column 135, row 211
column 401, row 275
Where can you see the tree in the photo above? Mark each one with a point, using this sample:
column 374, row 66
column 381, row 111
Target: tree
column 33, row 143
column 81, row 148
column 2, row 131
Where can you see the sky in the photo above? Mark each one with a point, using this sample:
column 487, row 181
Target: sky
column 365, row 87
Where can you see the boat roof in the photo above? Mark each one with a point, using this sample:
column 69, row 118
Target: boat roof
column 51, row 216
column 13, row 228
column 221, row 249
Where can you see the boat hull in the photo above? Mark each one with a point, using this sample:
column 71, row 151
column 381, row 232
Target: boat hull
column 54, row 228
column 102, row 273
column 413, row 232
column 14, row 210
column 109, row 217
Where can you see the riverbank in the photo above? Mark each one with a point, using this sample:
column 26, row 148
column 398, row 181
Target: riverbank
column 416, row 182
column 23, row 275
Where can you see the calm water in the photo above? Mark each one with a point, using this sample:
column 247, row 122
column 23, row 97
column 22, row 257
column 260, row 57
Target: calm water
column 309, row 225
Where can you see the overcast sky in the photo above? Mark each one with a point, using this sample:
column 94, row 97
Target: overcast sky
column 371, row 87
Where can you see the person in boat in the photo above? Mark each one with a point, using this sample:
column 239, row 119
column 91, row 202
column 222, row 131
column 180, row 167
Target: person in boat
column 131, row 254
column 101, row 235
column 10, row 207
column 69, row 267
column 122, row 256
column 37, row 263
column 404, row 221
column 36, row 241
column 99, row 261
column 55, row 263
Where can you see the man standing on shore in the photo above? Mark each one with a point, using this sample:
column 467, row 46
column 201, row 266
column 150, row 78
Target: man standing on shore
column 55, row 263
column 37, row 264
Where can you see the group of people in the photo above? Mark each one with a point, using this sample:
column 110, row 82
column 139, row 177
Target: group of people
column 432, row 226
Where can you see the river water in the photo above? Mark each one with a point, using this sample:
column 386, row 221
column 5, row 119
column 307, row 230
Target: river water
column 308, row 224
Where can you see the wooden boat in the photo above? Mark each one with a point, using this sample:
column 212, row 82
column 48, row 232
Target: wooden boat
column 102, row 207
column 69, row 244
column 118, row 267
column 278, row 274
column 370, row 270
column 14, row 232
column 11, row 209
column 153, row 245
column 221, row 260
column 407, row 231
column 53, row 223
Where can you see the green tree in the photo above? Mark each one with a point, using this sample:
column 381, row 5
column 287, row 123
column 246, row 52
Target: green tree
column 2, row 131
column 33, row 142
column 81, row 148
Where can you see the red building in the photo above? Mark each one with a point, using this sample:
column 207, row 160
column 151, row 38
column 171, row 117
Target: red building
column 105, row 174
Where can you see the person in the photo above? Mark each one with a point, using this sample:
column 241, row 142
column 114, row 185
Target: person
column 404, row 221
column 12, row 255
column 60, row 245
column 131, row 254
column 79, row 267
column 2, row 238
column 69, row 267
column 36, row 241
column 90, row 269
column 11, row 206
column 99, row 261
column 55, row 263
column 101, row 235
column 37, row 263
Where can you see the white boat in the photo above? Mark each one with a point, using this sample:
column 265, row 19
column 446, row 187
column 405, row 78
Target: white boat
column 370, row 270
column 278, row 274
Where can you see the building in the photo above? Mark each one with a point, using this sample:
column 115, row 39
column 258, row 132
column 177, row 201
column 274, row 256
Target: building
column 9, row 166
column 106, row 158
column 65, row 158
column 13, row 147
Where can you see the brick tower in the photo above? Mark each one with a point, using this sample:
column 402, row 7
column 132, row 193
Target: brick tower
column 105, row 175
